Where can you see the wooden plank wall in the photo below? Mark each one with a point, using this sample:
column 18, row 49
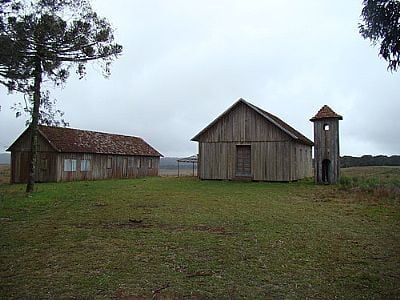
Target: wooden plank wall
column 270, row 161
column 243, row 124
column 20, row 157
column 121, row 166
column 51, row 167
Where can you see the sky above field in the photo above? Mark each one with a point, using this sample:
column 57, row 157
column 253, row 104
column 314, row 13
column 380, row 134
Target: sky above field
column 185, row 62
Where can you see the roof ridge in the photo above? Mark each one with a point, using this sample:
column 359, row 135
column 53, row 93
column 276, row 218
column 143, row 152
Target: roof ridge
column 93, row 131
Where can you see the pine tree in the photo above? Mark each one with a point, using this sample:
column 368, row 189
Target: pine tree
column 43, row 39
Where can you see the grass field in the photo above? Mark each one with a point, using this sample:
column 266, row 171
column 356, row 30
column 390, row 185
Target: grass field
column 4, row 174
column 181, row 238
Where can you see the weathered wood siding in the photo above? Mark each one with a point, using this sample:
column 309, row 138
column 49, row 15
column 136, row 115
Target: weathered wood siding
column 20, row 158
column 51, row 164
column 270, row 161
column 120, row 166
column 302, row 161
column 275, row 156
column 327, row 147
column 242, row 125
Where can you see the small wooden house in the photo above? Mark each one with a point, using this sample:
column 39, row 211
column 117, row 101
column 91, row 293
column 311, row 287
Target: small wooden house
column 66, row 154
column 246, row 142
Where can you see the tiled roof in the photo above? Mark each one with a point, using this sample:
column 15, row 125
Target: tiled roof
column 83, row 141
column 270, row 117
column 325, row 113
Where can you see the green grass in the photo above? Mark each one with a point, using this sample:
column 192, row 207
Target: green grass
column 125, row 239
column 383, row 182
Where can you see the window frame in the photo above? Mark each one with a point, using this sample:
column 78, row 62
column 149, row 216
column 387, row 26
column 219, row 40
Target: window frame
column 85, row 165
column 130, row 162
column 44, row 164
column 109, row 162
column 69, row 165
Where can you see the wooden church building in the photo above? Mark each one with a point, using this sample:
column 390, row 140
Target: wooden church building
column 246, row 142
column 66, row 154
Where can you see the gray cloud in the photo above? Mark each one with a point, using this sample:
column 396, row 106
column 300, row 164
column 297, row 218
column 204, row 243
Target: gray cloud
column 185, row 62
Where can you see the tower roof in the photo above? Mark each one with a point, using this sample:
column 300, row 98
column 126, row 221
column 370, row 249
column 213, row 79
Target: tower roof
column 326, row 113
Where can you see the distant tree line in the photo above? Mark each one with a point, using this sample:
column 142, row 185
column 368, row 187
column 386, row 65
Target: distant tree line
column 369, row 160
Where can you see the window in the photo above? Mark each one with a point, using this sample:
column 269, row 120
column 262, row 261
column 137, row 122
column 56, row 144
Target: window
column 43, row 164
column 139, row 163
column 326, row 127
column 109, row 162
column 150, row 163
column 130, row 162
column 85, row 165
column 69, row 165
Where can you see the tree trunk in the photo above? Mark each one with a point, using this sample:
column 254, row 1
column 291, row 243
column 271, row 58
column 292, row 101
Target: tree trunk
column 34, row 126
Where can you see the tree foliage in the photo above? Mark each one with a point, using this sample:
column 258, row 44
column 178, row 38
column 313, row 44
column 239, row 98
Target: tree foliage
column 369, row 160
column 41, row 41
column 381, row 24
column 59, row 33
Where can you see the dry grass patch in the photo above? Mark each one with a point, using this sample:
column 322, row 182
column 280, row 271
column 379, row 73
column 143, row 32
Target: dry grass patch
column 5, row 172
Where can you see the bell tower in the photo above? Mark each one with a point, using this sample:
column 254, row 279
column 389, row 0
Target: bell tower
column 326, row 146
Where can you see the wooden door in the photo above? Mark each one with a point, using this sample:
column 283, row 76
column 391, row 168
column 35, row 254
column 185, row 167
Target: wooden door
column 326, row 165
column 243, row 161
column 24, row 167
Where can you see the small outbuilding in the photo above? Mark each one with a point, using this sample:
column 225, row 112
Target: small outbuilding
column 246, row 142
column 66, row 154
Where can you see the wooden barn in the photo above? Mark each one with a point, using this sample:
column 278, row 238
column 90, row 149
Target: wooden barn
column 246, row 142
column 66, row 154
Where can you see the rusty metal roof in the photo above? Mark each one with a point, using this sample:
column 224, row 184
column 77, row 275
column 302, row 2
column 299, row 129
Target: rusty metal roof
column 326, row 113
column 84, row 141
column 293, row 133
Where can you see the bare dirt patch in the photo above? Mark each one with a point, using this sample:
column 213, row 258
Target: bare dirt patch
column 130, row 224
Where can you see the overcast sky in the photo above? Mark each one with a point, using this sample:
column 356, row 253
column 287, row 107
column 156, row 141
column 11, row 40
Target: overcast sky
column 185, row 62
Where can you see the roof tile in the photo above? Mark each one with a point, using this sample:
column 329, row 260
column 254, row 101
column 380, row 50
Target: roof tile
column 326, row 112
column 84, row 141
